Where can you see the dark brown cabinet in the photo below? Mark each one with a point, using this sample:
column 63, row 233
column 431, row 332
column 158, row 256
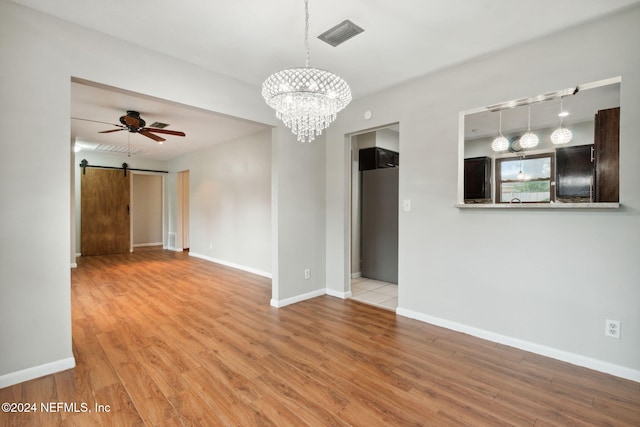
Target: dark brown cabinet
column 574, row 173
column 606, row 153
column 377, row 158
column 590, row 173
column 477, row 180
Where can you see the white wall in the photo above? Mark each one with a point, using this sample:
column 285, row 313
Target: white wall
column 298, row 217
column 563, row 308
column 40, row 55
column 230, row 202
column 448, row 257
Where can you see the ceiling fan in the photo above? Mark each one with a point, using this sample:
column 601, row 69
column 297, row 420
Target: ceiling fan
column 133, row 123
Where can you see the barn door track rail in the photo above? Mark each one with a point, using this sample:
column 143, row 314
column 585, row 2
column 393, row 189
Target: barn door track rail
column 84, row 164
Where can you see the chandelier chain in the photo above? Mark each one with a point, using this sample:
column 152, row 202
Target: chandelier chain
column 306, row 33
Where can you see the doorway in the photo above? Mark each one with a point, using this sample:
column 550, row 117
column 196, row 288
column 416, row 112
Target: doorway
column 182, row 231
column 146, row 209
column 374, row 216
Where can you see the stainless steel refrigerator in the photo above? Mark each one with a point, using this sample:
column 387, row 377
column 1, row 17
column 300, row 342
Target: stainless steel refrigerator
column 379, row 224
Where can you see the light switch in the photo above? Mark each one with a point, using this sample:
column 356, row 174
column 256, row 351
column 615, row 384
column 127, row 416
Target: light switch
column 406, row 205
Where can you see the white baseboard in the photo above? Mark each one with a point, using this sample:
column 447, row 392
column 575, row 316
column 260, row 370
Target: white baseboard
column 142, row 245
column 23, row 375
column 338, row 294
column 74, row 265
column 297, row 298
column 356, row 275
column 565, row 356
column 232, row 265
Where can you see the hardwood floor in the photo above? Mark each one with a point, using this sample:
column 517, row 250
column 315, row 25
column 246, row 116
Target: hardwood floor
column 165, row 339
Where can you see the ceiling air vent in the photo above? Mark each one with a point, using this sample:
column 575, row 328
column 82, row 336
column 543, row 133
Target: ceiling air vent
column 105, row 148
column 159, row 125
column 340, row 33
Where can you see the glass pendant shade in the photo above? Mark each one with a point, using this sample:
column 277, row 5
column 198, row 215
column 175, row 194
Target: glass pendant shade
column 306, row 99
column 562, row 135
column 500, row 144
column 529, row 140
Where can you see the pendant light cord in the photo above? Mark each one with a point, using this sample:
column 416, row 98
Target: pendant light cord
column 306, row 32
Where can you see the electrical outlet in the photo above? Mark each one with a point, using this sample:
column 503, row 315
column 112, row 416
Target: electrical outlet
column 612, row 328
column 307, row 273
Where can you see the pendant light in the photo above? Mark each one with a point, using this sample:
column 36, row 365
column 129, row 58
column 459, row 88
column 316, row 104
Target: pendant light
column 562, row 135
column 529, row 139
column 500, row 143
column 520, row 175
column 306, row 99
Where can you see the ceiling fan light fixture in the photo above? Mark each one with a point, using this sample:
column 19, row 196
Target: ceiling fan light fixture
column 306, row 99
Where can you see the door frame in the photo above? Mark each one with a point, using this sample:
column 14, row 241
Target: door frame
column 182, row 214
column 353, row 180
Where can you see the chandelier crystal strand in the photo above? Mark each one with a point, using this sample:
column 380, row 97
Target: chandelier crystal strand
column 307, row 99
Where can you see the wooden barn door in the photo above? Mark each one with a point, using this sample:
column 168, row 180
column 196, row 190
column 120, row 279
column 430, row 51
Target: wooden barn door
column 105, row 223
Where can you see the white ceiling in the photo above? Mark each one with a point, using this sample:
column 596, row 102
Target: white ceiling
column 251, row 39
column 106, row 104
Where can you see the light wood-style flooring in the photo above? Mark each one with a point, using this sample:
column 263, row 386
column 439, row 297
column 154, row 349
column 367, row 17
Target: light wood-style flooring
column 165, row 339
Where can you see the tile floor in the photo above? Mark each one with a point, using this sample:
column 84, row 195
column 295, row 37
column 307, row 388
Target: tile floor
column 375, row 292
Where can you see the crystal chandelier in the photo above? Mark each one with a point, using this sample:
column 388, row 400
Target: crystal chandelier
column 529, row 139
column 500, row 143
column 562, row 135
column 307, row 99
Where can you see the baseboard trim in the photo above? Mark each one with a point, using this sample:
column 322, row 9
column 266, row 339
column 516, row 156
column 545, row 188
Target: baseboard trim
column 74, row 265
column 232, row 265
column 23, row 375
column 142, row 245
column 298, row 298
column 356, row 275
column 564, row 356
column 338, row 294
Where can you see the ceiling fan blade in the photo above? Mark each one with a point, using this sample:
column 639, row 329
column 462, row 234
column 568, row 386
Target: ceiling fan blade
column 167, row 131
column 112, row 130
column 95, row 121
column 150, row 135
